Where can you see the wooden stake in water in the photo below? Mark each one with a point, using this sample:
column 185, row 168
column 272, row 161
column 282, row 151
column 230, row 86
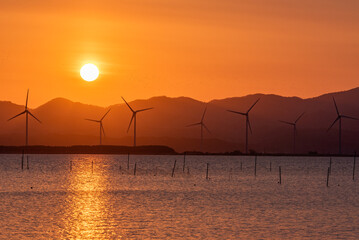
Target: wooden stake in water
column 134, row 170
column 92, row 166
column 355, row 156
column 280, row 175
column 255, row 166
column 328, row 173
column 22, row 160
column 174, row 168
column 128, row 161
column 241, row 166
column 70, row 166
column 184, row 162
column 330, row 165
column 207, row 171
column 27, row 162
column 270, row 166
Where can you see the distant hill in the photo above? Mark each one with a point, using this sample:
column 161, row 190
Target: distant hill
column 81, row 149
column 63, row 123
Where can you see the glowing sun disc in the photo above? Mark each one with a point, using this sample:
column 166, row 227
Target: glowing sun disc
column 89, row 72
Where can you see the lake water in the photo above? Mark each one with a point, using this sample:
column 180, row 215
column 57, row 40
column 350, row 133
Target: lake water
column 64, row 197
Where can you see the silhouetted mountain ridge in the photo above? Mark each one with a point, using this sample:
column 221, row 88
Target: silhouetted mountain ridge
column 63, row 123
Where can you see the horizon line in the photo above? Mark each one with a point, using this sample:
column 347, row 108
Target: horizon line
column 182, row 96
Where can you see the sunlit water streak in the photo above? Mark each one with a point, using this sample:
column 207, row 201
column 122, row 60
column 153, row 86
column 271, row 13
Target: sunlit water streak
column 52, row 201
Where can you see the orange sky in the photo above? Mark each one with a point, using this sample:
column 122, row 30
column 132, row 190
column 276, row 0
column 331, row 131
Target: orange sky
column 203, row 49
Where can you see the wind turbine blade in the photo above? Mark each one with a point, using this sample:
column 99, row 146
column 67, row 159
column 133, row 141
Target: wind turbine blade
column 349, row 117
column 34, row 116
column 194, row 124
column 236, row 112
column 336, row 108
column 27, row 97
column 289, row 123
column 133, row 115
column 253, row 105
column 92, row 120
column 141, row 110
column 206, row 128
column 105, row 114
column 128, row 105
column 249, row 125
column 103, row 130
column 204, row 113
column 301, row 115
column 17, row 115
column 333, row 123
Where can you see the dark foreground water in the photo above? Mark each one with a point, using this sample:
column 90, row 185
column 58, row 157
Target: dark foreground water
column 64, row 197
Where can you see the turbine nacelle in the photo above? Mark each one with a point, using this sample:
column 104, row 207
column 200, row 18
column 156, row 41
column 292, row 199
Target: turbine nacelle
column 102, row 129
column 293, row 123
column 339, row 116
column 202, row 124
column 27, row 112
column 133, row 118
column 248, row 123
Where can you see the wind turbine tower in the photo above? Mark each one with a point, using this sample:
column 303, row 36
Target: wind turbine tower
column 102, row 130
column 201, row 123
column 248, row 123
column 294, row 124
column 27, row 113
column 339, row 118
column 134, row 114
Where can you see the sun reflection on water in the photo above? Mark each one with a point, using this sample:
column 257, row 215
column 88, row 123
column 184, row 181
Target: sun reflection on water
column 88, row 208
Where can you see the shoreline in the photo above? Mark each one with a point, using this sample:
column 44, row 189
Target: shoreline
column 140, row 150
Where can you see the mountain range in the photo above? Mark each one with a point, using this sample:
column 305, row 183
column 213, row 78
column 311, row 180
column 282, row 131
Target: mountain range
column 63, row 123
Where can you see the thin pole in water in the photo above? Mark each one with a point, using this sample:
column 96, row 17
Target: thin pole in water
column 355, row 156
column 184, row 161
column 128, row 161
column 70, row 166
column 328, row 173
column 207, row 171
column 27, row 162
column 330, row 165
column 134, row 170
column 22, row 160
column 255, row 166
column 241, row 166
column 270, row 166
column 173, row 169
column 92, row 166
column 280, row 175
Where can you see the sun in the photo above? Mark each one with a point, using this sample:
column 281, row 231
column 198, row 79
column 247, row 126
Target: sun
column 89, row 72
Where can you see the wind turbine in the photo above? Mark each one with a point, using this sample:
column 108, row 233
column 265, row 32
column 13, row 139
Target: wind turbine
column 26, row 112
column 134, row 114
column 294, row 124
column 102, row 130
column 339, row 118
column 201, row 123
column 248, row 124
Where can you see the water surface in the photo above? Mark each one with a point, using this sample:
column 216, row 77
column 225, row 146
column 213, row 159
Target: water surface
column 68, row 197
